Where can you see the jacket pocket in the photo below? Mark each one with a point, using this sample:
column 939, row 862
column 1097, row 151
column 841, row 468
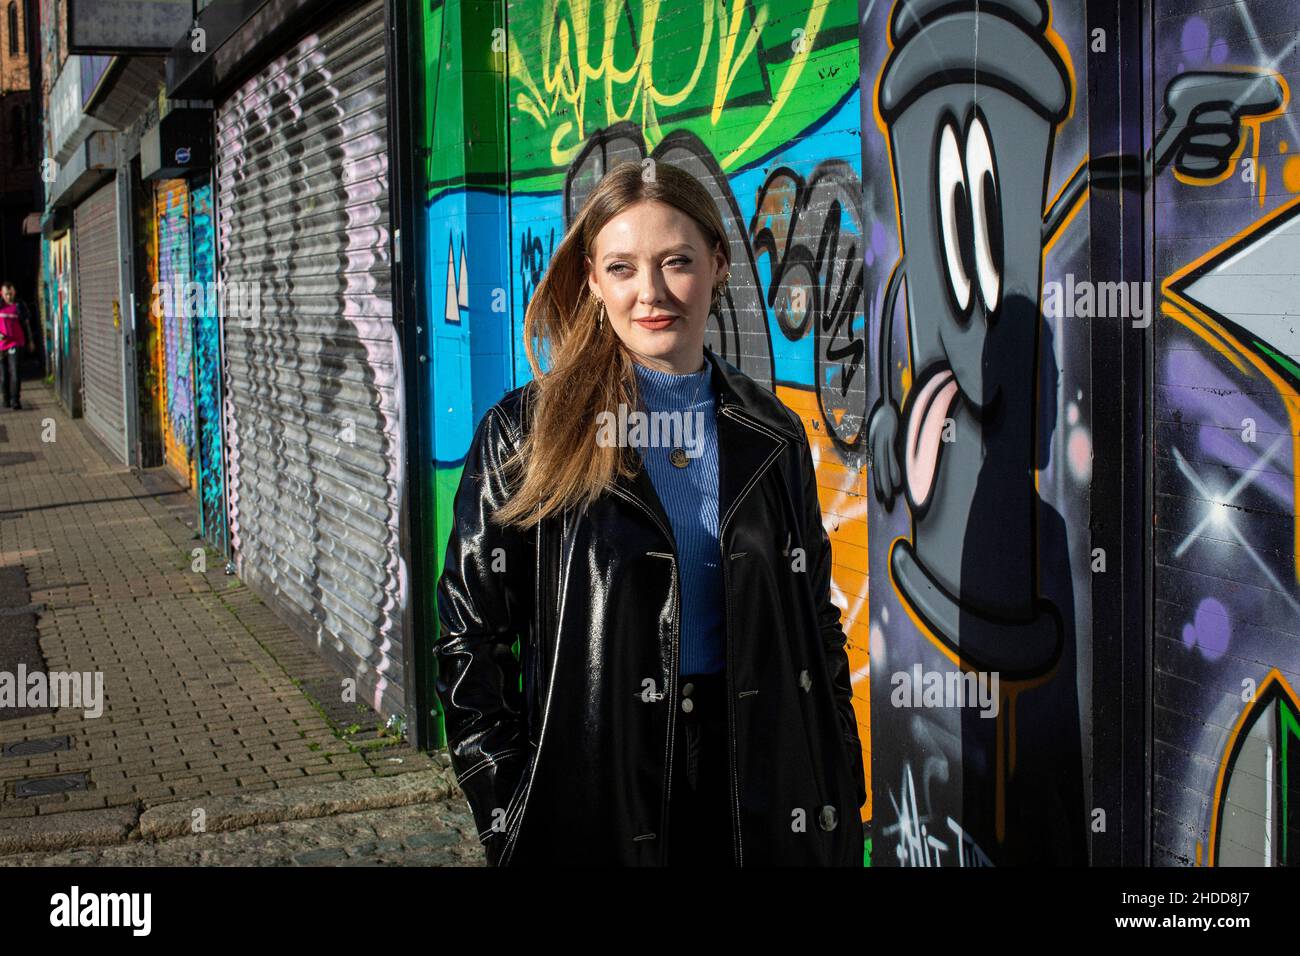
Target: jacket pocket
column 816, row 763
column 855, row 770
column 834, row 749
column 516, row 808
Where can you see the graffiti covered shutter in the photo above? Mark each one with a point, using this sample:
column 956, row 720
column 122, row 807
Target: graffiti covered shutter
column 312, row 368
column 209, row 443
column 95, row 225
column 172, row 212
column 60, row 291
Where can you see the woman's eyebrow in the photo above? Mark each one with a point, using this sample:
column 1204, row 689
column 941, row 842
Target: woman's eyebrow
column 628, row 255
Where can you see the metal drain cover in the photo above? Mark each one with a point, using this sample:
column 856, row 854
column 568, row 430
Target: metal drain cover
column 44, row 786
column 29, row 748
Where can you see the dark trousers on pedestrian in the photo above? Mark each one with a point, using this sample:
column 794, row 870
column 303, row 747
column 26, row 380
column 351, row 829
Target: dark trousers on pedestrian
column 699, row 831
column 9, row 378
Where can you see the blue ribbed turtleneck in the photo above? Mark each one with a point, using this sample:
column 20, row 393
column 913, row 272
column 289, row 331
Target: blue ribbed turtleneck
column 690, row 497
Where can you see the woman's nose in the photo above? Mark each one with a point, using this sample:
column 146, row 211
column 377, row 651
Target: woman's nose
column 650, row 288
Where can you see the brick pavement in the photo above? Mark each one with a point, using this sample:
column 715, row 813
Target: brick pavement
column 197, row 698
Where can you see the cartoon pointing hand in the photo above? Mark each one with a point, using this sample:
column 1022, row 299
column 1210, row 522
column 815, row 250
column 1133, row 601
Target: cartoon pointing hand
column 1204, row 113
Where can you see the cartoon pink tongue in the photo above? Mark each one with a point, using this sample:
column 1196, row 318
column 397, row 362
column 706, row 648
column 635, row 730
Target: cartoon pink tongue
column 925, row 433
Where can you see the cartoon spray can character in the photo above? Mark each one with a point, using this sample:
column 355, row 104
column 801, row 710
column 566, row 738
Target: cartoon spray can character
column 971, row 95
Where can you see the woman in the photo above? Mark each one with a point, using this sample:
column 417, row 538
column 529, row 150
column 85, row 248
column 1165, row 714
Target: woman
column 682, row 692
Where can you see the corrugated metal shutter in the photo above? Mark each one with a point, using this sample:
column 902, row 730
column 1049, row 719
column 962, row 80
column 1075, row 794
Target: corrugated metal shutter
column 314, row 392
column 209, row 444
column 95, row 241
column 172, row 212
column 67, row 337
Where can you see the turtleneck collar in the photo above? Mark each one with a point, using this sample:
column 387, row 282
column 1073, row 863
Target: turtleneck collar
column 669, row 390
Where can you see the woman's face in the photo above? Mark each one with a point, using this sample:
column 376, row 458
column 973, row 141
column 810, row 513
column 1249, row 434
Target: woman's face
column 653, row 269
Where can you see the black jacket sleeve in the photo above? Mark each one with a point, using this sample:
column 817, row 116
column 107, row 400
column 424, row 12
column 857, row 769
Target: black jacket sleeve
column 818, row 543
column 484, row 603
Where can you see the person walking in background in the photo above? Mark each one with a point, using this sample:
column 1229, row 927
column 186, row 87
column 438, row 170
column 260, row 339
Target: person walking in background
column 15, row 332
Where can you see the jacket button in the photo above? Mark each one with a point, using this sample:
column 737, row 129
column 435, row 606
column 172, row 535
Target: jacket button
column 686, row 689
column 688, row 705
column 826, row 819
column 805, row 681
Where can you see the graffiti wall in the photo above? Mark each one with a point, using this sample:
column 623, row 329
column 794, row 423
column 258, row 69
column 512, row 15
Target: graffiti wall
column 175, row 340
column 43, row 308
column 166, row 340
column 151, row 347
column 921, row 169
column 470, row 362
column 974, row 135
column 61, row 325
column 180, row 342
column 209, row 444
column 1227, row 436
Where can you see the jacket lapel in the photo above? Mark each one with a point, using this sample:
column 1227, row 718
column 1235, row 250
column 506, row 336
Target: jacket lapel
column 750, row 438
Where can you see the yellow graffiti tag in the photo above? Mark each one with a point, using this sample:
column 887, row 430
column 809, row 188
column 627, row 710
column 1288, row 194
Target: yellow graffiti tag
column 558, row 96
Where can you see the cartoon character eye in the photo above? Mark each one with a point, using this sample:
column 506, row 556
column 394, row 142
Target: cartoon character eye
column 954, row 217
column 986, row 207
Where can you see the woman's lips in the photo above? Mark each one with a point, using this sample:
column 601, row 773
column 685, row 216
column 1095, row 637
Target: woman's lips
column 657, row 323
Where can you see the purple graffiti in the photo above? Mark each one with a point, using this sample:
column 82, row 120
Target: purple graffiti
column 1219, row 410
column 1210, row 630
column 1196, row 37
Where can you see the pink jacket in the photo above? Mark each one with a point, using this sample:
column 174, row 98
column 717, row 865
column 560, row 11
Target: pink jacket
column 12, row 320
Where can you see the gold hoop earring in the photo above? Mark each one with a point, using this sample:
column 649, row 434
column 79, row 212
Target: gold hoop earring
column 600, row 319
column 722, row 290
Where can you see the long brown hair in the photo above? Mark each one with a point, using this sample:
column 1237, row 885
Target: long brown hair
column 591, row 371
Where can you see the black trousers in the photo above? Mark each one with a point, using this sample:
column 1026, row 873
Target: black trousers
column 9, row 375
column 699, row 831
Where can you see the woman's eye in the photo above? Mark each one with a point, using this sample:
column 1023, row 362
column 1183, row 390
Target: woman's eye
column 619, row 268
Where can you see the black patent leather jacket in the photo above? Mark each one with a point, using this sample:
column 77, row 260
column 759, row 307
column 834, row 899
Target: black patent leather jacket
column 575, row 768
